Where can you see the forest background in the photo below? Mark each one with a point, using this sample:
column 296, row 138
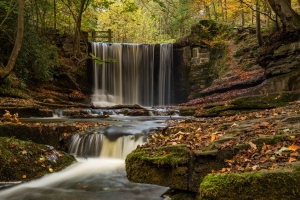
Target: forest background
column 28, row 54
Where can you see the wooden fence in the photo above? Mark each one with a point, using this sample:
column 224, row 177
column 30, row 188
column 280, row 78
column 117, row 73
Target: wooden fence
column 101, row 36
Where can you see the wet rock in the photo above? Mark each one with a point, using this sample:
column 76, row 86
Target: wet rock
column 25, row 160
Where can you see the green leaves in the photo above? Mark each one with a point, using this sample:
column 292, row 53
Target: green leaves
column 99, row 61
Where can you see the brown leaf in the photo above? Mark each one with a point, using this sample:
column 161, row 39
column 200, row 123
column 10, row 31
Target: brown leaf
column 264, row 124
column 294, row 154
column 252, row 145
column 263, row 148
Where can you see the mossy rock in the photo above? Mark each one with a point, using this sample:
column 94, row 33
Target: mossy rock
column 174, row 166
column 187, row 111
column 25, row 160
column 165, row 166
column 266, row 101
column 260, row 185
column 249, row 104
column 53, row 135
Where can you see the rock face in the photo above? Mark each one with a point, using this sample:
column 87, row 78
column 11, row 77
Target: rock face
column 193, row 59
column 282, row 60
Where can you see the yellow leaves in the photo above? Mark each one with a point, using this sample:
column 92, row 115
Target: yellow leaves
column 50, row 170
column 24, row 176
column 41, row 159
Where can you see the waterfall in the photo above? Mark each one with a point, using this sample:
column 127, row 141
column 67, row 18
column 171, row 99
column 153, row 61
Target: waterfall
column 165, row 71
column 97, row 145
column 135, row 78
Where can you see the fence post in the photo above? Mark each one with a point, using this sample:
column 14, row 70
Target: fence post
column 109, row 32
column 93, row 35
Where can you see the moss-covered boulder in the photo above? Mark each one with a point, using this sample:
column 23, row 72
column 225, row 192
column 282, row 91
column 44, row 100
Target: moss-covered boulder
column 174, row 166
column 25, row 160
column 276, row 184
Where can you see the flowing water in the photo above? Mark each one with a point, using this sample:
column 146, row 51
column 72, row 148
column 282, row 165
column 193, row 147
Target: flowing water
column 134, row 78
column 100, row 170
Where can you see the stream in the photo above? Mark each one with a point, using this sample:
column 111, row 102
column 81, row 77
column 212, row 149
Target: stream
column 99, row 175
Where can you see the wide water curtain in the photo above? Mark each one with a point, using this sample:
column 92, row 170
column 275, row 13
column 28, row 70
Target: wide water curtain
column 131, row 79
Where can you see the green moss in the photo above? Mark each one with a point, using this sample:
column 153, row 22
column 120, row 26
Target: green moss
column 261, row 185
column 167, row 155
column 166, row 166
column 19, row 158
column 267, row 101
column 188, row 111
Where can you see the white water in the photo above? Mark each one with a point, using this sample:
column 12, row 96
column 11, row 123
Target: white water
column 101, row 177
column 132, row 79
column 165, row 72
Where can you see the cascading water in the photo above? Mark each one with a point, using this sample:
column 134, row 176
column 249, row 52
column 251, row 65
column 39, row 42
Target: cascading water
column 98, row 145
column 165, row 71
column 132, row 78
column 100, row 170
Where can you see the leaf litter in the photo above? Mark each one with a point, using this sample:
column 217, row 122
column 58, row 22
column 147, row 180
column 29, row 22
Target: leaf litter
column 227, row 132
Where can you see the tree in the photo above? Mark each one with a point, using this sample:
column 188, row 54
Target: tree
column 4, row 72
column 258, row 31
column 289, row 18
column 80, row 7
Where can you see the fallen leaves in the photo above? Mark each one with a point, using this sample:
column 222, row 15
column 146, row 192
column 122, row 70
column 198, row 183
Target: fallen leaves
column 9, row 118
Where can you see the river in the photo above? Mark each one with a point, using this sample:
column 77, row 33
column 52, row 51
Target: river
column 102, row 177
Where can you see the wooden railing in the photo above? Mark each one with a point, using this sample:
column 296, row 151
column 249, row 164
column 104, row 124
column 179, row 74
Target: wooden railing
column 101, row 36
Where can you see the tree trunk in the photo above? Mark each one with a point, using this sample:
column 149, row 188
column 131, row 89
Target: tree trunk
column 222, row 10
column 242, row 13
column 77, row 35
column 54, row 13
column 215, row 12
column 258, row 31
column 207, row 11
column 4, row 72
column 289, row 18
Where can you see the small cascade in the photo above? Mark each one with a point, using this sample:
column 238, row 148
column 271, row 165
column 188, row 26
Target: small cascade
column 135, row 78
column 98, row 145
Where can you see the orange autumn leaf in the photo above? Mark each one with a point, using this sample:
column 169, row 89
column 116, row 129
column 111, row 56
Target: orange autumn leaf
column 293, row 147
column 292, row 159
column 212, row 138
